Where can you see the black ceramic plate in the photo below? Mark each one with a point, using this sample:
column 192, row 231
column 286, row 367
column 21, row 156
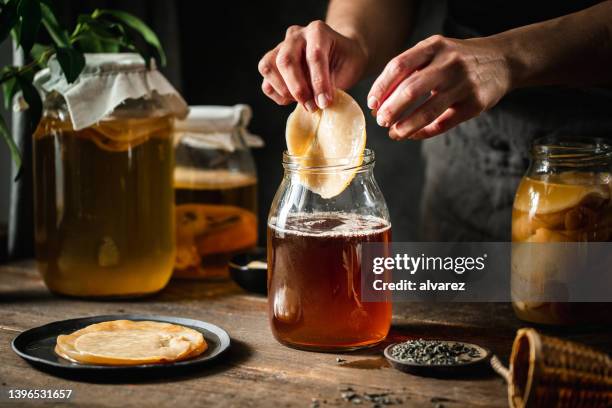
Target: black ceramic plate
column 36, row 345
column 443, row 370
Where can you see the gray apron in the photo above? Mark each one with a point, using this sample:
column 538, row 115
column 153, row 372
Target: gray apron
column 473, row 170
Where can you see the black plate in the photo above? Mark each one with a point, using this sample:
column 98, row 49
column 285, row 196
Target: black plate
column 36, row 345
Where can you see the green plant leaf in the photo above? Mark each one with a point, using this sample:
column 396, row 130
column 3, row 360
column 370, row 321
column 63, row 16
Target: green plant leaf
column 9, row 89
column 30, row 15
column 6, row 135
column 8, row 18
column 7, row 72
column 89, row 43
column 10, row 86
column 71, row 61
column 141, row 28
column 16, row 31
column 32, row 97
column 102, row 44
column 56, row 32
column 95, row 35
column 101, row 28
column 41, row 53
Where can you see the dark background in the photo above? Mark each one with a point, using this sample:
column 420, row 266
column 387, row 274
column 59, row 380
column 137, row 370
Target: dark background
column 213, row 50
column 220, row 57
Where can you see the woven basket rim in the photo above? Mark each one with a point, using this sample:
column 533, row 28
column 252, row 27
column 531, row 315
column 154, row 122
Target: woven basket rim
column 533, row 372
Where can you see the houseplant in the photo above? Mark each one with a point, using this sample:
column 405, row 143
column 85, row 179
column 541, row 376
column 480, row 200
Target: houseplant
column 29, row 22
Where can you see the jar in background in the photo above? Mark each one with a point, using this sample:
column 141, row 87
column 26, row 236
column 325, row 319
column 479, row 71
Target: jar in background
column 564, row 197
column 215, row 184
column 104, row 203
column 314, row 258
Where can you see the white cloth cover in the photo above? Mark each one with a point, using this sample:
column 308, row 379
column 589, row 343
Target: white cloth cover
column 106, row 81
column 211, row 127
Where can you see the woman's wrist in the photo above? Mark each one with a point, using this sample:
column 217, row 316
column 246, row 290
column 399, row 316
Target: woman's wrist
column 358, row 38
column 512, row 59
column 531, row 58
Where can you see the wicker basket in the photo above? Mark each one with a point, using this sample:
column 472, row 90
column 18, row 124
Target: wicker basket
column 549, row 372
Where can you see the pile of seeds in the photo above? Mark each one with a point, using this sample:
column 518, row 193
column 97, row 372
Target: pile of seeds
column 377, row 399
column 434, row 352
column 348, row 394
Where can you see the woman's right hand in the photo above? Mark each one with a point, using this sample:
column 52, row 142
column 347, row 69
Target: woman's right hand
column 310, row 63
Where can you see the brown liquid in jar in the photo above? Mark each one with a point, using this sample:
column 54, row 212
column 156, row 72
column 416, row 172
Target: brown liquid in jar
column 314, row 282
column 104, row 219
column 216, row 217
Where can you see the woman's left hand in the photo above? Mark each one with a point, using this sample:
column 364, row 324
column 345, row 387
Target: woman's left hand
column 460, row 78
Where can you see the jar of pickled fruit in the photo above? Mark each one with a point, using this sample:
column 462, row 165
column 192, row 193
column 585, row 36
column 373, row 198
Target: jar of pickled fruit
column 564, row 197
column 322, row 214
column 215, row 184
column 103, row 192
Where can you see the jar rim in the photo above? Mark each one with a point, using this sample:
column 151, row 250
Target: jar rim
column 366, row 160
column 573, row 149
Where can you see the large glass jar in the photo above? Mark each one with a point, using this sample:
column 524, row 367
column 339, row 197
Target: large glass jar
column 104, row 202
column 216, row 190
column 314, row 258
column 565, row 196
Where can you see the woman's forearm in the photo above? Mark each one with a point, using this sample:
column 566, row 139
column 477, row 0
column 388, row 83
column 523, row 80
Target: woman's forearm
column 459, row 79
column 381, row 26
column 573, row 50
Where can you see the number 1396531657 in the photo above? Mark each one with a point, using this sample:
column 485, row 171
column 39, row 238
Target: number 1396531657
column 40, row 394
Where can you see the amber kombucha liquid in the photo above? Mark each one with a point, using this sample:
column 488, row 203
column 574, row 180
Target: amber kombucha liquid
column 564, row 207
column 215, row 218
column 314, row 282
column 104, row 223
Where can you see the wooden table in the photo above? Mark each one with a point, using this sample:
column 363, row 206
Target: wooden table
column 257, row 371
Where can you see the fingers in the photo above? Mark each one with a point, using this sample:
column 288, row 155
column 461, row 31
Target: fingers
column 267, row 68
column 422, row 116
column 448, row 119
column 298, row 69
column 269, row 91
column 409, row 91
column 292, row 68
column 462, row 77
column 399, row 68
column 310, row 63
column 318, row 46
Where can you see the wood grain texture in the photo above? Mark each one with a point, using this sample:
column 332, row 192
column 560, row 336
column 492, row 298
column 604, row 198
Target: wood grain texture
column 257, row 371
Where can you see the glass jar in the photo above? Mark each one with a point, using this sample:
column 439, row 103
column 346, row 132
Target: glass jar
column 104, row 204
column 215, row 185
column 314, row 258
column 565, row 196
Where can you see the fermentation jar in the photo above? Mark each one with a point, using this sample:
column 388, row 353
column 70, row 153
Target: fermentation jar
column 103, row 162
column 314, row 255
column 564, row 197
column 216, row 190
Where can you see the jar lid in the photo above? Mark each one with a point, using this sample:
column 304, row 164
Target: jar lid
column 211, row 127
column 208, row 119
column 107, row 80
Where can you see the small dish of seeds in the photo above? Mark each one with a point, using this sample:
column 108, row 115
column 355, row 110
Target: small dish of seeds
column 437, row 357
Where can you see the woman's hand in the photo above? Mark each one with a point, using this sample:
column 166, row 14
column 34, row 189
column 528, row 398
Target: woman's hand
column 310, row 63
column 459, row 78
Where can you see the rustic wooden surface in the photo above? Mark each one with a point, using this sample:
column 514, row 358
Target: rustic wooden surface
column 257, row 371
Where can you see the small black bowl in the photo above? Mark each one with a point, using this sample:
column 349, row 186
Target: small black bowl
column 476, row 366
column 249, row 277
